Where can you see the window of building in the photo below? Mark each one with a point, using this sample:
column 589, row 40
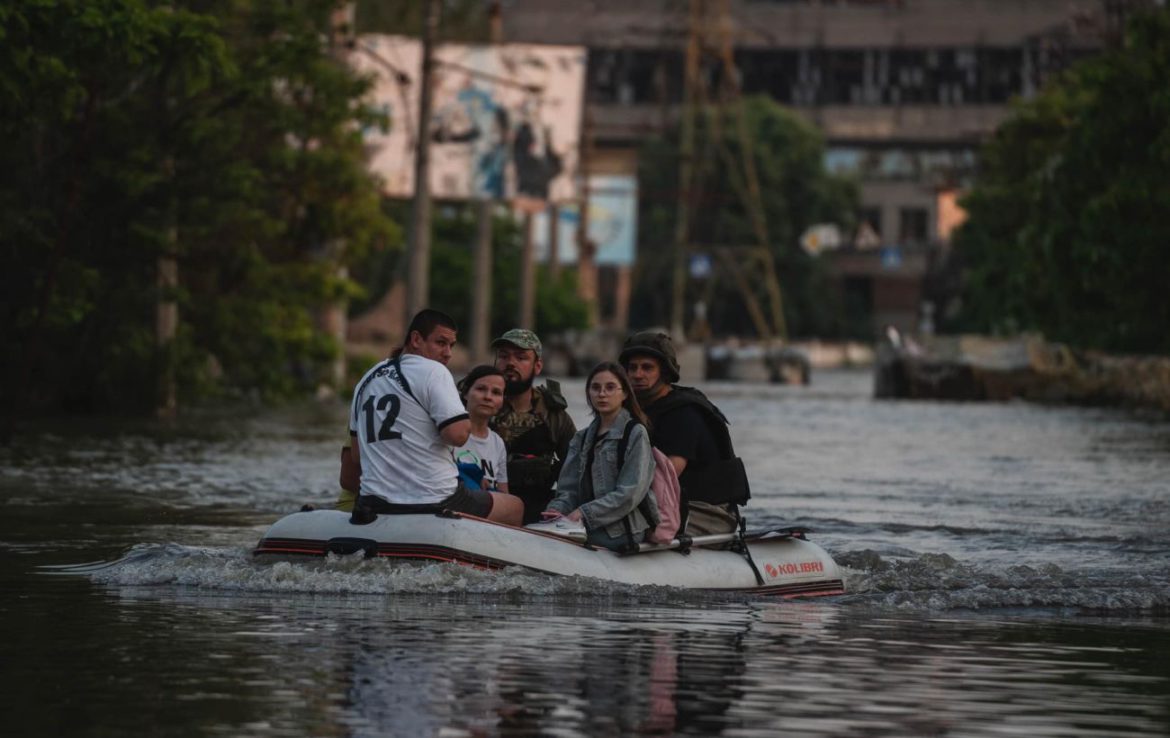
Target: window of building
column 769, row 72
column 634, row 76
column 907, row 75
column 913, row 225
column 873, row 216
column 845, row 78
column 822, row 76
column 843, row 161
column 950, row 166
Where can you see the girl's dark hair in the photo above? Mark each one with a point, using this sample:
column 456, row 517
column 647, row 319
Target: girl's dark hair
column 631, row 401
column 473, row 376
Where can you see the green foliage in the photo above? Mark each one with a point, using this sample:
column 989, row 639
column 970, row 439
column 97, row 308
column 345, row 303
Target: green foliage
column 1067, row 232
column 558, row 308
column 217, row 132
column 796, row 192
column 453, row 238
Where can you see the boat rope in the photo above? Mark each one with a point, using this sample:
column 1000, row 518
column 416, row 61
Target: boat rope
column 739, row 545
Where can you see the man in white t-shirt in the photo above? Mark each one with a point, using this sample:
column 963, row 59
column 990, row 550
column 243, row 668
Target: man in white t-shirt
column 405, row 417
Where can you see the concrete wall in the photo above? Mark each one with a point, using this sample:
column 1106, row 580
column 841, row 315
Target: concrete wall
column 757, row 23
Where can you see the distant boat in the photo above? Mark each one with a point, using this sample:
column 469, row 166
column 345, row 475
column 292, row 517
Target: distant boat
column 979, row 368
column 783, row 365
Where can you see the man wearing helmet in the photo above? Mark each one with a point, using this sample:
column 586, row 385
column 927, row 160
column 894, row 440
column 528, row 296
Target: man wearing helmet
column 691, row 431
column 534, row 421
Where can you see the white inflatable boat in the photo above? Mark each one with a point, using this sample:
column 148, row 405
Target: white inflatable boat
column 778, row 562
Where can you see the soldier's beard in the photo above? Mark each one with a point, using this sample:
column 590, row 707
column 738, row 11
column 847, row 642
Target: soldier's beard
column 513, row 387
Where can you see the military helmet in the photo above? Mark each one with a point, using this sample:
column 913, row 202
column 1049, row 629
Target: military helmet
column 656, row 344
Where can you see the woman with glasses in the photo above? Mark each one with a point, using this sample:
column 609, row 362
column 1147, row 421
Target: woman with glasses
column 605, row 480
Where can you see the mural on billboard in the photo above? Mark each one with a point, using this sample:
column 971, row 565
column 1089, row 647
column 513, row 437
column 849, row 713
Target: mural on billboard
column 613, row 223
column 505, row 122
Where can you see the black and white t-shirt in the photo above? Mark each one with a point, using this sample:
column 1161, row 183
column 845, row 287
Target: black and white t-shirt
column 404, row 459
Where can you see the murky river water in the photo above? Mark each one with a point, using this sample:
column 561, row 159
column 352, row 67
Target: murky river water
column 1008, row 569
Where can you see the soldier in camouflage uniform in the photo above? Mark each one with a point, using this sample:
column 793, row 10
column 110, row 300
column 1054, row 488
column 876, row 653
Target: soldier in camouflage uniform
column 533, row 421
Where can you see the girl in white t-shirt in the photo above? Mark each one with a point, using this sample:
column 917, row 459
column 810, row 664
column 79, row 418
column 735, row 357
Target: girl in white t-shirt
column 483, row 460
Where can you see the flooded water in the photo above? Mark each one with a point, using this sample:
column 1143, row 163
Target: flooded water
column 1007, row 572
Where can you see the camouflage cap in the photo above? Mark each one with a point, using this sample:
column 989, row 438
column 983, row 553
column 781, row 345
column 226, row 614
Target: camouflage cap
column 521, row 338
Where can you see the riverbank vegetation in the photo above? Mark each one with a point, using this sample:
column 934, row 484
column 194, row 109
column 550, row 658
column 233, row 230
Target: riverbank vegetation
column 217, row 136
column 213, row 148
column 1068, row 233
column 452, row 272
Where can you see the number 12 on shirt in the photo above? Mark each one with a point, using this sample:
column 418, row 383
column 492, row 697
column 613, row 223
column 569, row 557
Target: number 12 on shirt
column 385, row 432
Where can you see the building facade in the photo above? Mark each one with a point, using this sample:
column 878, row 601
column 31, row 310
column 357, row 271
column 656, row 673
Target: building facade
column 904, row 91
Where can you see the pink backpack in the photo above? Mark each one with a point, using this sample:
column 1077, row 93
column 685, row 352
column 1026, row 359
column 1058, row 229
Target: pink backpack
column 665, row 488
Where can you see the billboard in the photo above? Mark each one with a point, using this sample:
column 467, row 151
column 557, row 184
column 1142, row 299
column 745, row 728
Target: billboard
column 505, row 123
column 613, row 223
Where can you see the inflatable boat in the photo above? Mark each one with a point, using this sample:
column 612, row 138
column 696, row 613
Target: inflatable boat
column 774, row 562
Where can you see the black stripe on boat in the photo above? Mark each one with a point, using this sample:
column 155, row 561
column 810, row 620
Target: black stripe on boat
column 803, row 589
column 290, row 546
column 371, row 548
column 437, row 553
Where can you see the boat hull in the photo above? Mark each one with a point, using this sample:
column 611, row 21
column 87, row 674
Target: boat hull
column 788, row 565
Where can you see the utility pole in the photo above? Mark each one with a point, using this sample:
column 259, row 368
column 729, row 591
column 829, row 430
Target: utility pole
column 331, row 317
column 750, row 183
column 740, row 172
column 554, row 242
column 419, row 237
column 166, row 308
column 481, row 282
column 527, row 316
column 695, row 18
column 166, row 326
column 586, row 266
column 481, row 279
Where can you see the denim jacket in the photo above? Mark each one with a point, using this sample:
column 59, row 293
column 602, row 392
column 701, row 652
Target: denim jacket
column 616, row 492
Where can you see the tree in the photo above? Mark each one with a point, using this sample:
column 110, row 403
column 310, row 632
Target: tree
column 1067, row 232
column 219, row 132
column 557, row 306
column 796, row 192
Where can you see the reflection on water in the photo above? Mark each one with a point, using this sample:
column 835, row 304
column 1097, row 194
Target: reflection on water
column 1007, row 567
column 193, row 662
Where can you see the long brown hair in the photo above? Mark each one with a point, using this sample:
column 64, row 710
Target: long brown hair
column 631, row 401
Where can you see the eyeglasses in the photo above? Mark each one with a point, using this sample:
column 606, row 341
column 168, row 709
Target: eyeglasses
column 605, row 389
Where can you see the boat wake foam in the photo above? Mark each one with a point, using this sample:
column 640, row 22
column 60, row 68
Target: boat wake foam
column 938, row 582
column 235, row 569
column 922, row 582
